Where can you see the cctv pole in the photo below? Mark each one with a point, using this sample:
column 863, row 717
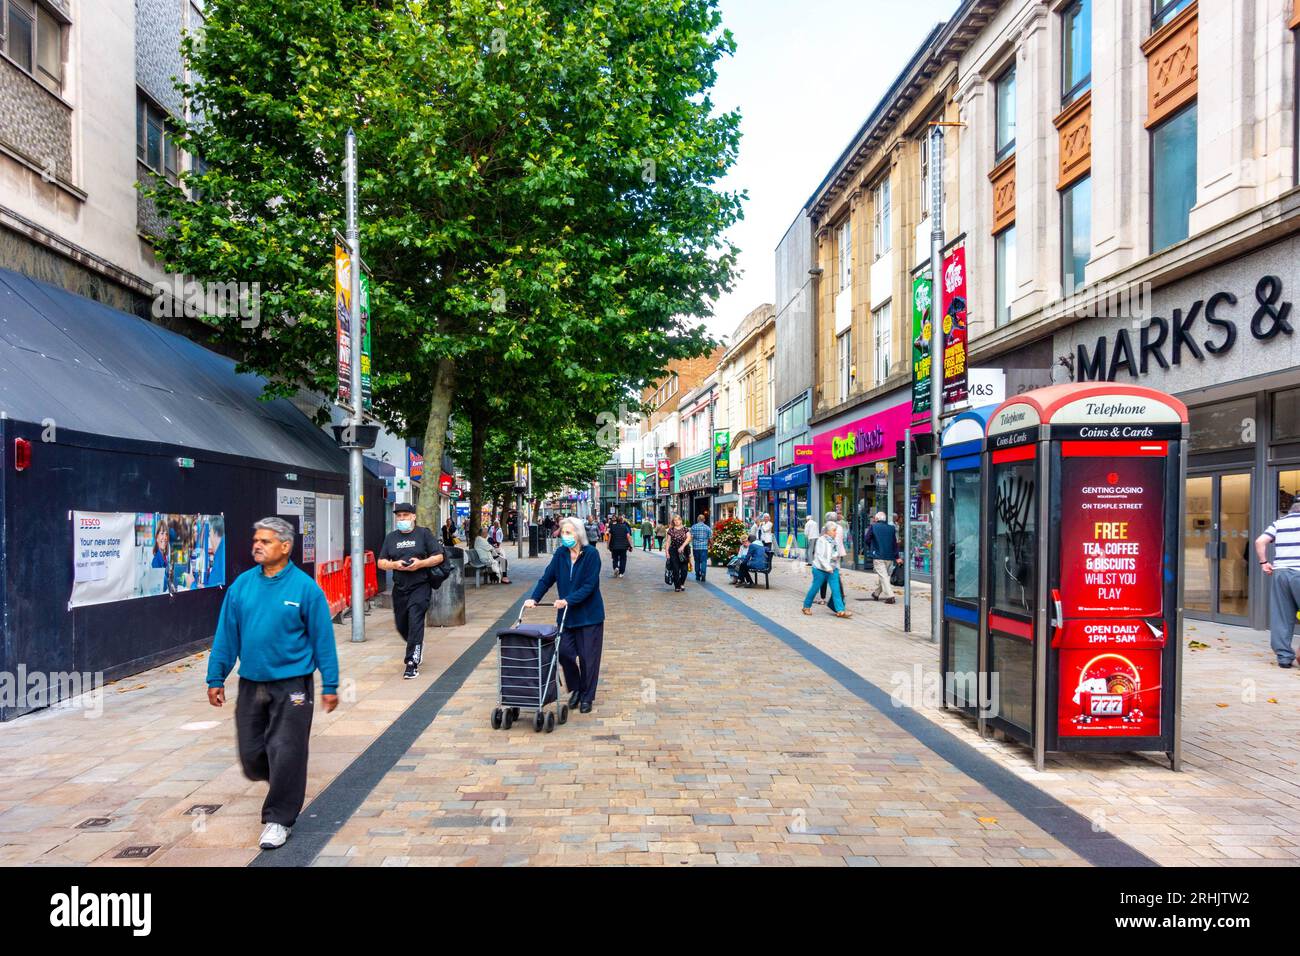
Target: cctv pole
column 356, row 494
column 520, row 527
column 936, row 381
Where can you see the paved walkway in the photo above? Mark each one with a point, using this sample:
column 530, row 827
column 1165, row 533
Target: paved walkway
column 158, row 749
column 729, row 729
column 711, row 742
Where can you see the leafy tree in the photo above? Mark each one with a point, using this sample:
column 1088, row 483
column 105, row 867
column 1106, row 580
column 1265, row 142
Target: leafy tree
column 538, row 186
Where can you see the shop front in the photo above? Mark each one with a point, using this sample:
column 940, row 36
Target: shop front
column 859, row 466
column 790, row 488
column 1224, row 341
column 694, row 489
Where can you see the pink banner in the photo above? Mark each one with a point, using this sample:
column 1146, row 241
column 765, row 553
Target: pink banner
column 869, row 439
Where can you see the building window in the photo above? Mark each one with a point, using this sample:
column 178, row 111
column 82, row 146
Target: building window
column 769, row 412
column 1162, row 11
column 1006, row 114
column 1076, row 50
column 1004, row 254
column 1076, row 233
column 844, row 368
column 881, row 320
column 155, row 145
column 844, row 244
column 880, row 200
column 32, row 37
column 1173, row 178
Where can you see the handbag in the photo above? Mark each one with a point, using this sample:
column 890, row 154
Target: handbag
column 896, row 576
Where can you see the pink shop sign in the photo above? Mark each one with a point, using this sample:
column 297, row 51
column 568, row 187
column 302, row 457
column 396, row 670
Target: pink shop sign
column 868, row 439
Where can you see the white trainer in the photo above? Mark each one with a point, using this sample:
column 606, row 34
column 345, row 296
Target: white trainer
column 273, row 836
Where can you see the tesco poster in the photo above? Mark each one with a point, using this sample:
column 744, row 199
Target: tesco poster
column 119, row 556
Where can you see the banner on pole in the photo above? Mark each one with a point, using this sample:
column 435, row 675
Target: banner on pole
column 954, row 325
column 343, row 322
column 922, row 301
column 721, row 456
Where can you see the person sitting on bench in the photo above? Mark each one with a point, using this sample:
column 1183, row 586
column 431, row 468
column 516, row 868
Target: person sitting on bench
column 755, row 559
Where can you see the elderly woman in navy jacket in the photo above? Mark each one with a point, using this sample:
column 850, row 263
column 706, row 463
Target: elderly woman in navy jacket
column 575, row 572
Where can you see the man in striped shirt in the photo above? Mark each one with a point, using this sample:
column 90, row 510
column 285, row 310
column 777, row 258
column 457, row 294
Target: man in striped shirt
column 1284, row 535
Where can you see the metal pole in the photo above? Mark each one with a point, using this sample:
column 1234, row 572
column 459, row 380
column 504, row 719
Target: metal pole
column 355, row 488
column 907, row 531
column 936, row 379
column 519, row 506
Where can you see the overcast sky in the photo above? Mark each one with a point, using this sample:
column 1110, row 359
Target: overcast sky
column 805, row 75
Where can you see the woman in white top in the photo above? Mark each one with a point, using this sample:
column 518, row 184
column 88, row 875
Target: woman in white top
column 825, row 569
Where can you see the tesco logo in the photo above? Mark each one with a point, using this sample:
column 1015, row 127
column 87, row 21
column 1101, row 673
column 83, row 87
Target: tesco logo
column 90, row 523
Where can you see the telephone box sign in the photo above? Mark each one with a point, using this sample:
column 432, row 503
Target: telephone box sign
column 1013, row 417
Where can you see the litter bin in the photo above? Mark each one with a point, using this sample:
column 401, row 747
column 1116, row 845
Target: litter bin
column 447, row 609
column 533, row 535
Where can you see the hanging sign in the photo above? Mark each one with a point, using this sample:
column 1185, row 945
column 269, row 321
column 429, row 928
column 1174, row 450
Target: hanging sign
column 922, row 299
column 954, row 325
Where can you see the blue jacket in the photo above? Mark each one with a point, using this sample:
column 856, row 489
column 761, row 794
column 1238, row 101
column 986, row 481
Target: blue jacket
column 276, row 627
column 882, row 541
column 756, row 557
column 578, row 583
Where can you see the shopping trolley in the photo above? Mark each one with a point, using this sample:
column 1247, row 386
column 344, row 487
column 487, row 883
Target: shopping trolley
column 527, row 674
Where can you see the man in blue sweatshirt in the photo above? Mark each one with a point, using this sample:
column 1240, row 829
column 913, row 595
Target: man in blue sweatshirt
column 276, row 622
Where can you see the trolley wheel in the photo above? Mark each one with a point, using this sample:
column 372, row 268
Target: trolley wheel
column 497, row 715
column 550, row 723
column 514, row 713
column 564, row 713
column 508, row 718
column 539, row 721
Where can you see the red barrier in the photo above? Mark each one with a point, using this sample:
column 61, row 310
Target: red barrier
column 335, row 579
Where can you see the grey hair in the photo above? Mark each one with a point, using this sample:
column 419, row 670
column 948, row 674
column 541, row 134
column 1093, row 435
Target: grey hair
column 830, row 516
column 577, row 528
column 282, row 530
column 1295, row 505
column 880, row 516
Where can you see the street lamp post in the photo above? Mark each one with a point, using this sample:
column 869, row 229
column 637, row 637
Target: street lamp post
column 357, row 545
column 936, row 381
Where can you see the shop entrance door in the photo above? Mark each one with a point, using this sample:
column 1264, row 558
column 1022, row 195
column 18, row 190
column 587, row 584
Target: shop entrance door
column 1218, row 548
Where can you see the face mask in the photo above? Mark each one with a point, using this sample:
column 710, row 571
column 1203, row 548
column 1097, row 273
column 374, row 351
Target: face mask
column 405, row 525
column 568, row 540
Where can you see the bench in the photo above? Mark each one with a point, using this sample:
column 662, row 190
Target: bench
column 766, row 572
column 476, row 566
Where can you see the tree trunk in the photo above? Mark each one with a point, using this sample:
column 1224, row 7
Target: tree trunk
column 429, row 510
column 478, row 429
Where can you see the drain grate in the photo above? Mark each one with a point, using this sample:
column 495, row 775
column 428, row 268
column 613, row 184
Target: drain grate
column 94, row 822
column 202, row 810
column 137, row 852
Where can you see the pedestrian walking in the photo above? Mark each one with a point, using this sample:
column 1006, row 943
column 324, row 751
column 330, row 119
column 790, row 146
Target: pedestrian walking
column 661, row 532
column 810, row 535
column 275, row 622
column 677, row 545
column 620, row 543
column 882, row 549
column 1284, row 572
column 765, row 535
column 410, row 552
column 701, row 535
column 647, row 532
column 825, row 569
column 574, row 570
column 449, row 533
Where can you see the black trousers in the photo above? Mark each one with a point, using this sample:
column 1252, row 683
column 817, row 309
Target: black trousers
column 618, row 558
column 645, row 541
column 409, row 609
column 273, row 727
column 743, row 575
column 677, row 567
column 580, row 649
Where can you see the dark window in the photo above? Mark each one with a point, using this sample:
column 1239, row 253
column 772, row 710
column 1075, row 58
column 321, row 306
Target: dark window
column 154, row 142
column 1012, row 552
column 1222, row 426
column 1173, row 178
column 1005, row 143
column 1076, row 233
column 32, row 37
column 1286, row 416
column 1076, row 50
column 1162, row 11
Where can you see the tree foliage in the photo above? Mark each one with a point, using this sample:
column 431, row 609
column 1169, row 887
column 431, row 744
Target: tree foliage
column 538, row 193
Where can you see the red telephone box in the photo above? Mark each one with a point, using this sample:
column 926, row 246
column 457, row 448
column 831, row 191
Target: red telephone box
column 1082, row 615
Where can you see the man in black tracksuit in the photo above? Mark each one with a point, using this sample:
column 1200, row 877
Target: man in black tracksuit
column 410, row 552
column 620, row 542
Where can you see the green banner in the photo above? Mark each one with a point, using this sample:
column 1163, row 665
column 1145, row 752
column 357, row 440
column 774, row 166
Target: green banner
column 721, row 456
column 922, row 309
column 365, row 340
